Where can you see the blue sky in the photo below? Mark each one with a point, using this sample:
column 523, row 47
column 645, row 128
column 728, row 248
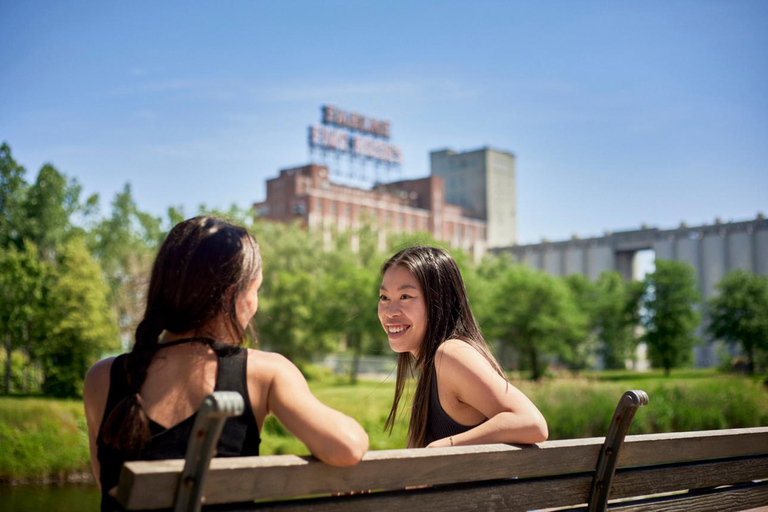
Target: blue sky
column 619, row 112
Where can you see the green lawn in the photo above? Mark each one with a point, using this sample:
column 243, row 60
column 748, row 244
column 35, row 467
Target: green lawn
column 46, row 437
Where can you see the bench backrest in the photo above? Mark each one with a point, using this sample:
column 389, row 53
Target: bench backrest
column 551, row 474
column 583, row 473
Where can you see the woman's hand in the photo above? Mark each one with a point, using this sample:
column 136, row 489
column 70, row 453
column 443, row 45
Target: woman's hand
column 442, row 443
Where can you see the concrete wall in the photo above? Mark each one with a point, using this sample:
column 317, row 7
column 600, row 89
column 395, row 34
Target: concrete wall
column 761, row 252
column 575, row 260
column 600, row 257
column 713, row 263
column 712, row 251
column 740, row 251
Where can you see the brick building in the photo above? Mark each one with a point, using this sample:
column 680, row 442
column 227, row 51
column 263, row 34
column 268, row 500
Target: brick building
column 306, row 194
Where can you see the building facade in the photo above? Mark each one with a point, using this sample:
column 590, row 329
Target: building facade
column 711, row 250
column 483, row 182
column 307, row 195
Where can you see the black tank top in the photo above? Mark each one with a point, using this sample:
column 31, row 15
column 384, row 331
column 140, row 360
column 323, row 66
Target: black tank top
column 240, row 436
column 439, row 424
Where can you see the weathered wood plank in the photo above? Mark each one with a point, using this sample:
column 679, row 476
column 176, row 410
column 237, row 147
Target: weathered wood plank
column 648, row 481
column 153, row 484
column 673, row 447
column 247, row 478
column 483, row 496
column 734, row 499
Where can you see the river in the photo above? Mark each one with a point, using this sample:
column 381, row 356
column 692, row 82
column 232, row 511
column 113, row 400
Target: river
column 49, row 498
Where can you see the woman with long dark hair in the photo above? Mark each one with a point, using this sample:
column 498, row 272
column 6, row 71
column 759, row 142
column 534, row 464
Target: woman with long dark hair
column 202, row 295
column 462, row 396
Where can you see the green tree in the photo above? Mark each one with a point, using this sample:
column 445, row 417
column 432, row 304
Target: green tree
column 738, row 313
column 671, row 318
column 586, row 296
column 347, row 295
column 535, row 313
column 50, row 205
column 13, row 191
column 482, row 281
column 76, row 326
column 611, row 305
column 124, row 244
column 287, row 320
column 21, row 283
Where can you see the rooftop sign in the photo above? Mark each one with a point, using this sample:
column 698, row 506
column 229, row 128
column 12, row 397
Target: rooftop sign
column 345, row 140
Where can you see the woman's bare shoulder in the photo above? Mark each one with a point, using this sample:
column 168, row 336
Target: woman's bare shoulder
column 461, row 361
column 98, row 375
column 96, row 387
column 458, row 352
column 267, row 364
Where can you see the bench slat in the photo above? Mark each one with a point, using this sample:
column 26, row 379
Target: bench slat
column 726, row 500
column 648, row 481
column 248, row 478
column 673, row 447
column 481, row 496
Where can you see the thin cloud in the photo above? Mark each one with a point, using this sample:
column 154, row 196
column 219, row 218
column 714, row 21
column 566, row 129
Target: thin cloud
column 443, row 90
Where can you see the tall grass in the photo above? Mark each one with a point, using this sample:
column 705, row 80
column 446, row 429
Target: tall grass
column 42, row 438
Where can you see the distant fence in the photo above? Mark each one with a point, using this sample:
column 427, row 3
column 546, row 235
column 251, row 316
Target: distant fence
column 367, row 366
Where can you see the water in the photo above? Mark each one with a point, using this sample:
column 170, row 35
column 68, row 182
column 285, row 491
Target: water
column 49, row 498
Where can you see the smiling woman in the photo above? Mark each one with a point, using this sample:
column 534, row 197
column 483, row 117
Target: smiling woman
column 462, row 396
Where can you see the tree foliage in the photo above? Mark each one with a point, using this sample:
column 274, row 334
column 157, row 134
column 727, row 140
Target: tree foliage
column 535, row 313
column 78, row 326
column 672, row 319
column 13, row 191
column 611, row 306
column 21, row 283
column 738, row 313
column 125, row 244
column 288, row 320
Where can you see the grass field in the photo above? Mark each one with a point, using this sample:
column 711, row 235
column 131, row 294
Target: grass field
column 43, row 438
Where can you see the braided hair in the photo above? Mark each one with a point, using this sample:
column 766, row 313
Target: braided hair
column 203, row 265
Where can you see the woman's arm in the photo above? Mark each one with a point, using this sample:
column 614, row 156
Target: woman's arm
column 470, row 381
column 95, row 391
column 330, row 435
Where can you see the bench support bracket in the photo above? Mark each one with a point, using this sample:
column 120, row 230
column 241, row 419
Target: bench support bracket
column 216, row 408
column 609, row 453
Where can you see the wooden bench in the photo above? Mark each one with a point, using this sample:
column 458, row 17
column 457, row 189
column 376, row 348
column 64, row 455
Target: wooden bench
column 718, row 470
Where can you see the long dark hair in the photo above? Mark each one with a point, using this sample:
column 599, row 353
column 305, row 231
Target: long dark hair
column 448, row 317
column 203, row 265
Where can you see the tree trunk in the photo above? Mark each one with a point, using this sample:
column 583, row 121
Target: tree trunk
column 8, row 353
column 535, row 365
column 354, row 341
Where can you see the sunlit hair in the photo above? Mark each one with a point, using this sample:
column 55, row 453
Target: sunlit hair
column 448, row 317
column 201, row 269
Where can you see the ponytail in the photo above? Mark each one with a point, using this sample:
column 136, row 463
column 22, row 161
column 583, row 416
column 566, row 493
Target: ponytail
column 127, row 427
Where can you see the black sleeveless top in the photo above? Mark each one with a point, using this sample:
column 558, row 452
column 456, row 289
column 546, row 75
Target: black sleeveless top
column 439, row 424
column 240, row 436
